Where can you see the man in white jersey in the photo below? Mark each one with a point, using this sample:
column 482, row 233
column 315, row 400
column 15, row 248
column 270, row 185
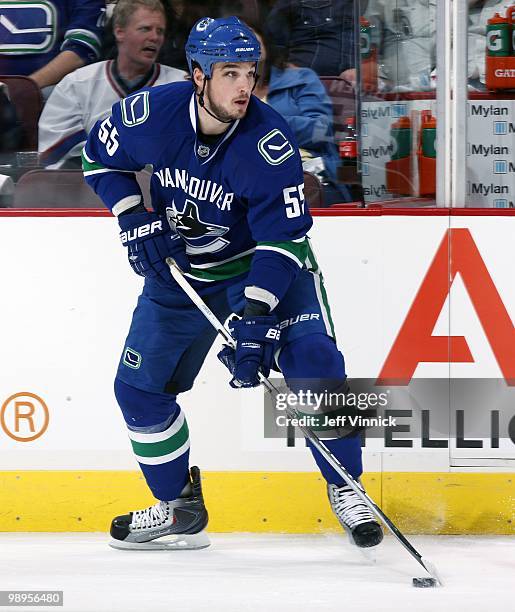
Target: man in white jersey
column 86, row 95
column 405, row 34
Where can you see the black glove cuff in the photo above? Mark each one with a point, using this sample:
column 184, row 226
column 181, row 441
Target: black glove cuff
column 255, row 308
column 139, row 208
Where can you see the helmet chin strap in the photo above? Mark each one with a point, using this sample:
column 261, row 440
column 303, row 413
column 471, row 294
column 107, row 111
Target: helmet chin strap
column 203, row 105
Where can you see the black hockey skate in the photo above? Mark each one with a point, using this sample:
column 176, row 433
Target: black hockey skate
column 354, row 516
column 176, row 524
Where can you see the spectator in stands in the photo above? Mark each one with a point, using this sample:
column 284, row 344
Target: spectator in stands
column 316, row 34
column 299, row 96
column 264, row 8
column 87, row 94
column 405, row 34
column 181, row 17
column 169, row 54
column 47, row 40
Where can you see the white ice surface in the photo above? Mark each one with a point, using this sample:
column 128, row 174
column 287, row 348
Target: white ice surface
column 241, row 572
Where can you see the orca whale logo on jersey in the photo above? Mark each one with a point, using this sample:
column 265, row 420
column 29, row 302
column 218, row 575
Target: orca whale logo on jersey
column 275, row 147
column 135, row 109
column 197, row 234
column 27, row 27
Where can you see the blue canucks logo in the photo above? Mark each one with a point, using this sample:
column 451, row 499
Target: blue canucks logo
column 27, row 27
column 200, row 236
column 275, row 147
column 132, row 358
column 135, row 109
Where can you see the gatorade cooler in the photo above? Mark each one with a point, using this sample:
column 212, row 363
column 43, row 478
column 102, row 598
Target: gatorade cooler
column 348, row 170
column 500, row 51
column 368, row 56
column 427, row 155
column 398, row 169
column 348, row 147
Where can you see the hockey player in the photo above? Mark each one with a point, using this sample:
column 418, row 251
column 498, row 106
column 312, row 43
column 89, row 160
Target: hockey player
column 87, row 94
column 229, row 208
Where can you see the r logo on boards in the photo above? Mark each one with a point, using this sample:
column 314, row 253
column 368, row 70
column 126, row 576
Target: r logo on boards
column 24, row 416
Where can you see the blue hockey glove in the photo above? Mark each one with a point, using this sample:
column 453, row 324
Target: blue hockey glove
column 256, row 339
column 149, row 241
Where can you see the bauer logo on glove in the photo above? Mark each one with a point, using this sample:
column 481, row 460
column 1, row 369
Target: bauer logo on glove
column 149, row 242
column 273, row 334
column 141, row 231
column 256, row 339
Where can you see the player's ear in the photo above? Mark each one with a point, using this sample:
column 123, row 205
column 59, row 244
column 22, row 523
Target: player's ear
column 198, row 77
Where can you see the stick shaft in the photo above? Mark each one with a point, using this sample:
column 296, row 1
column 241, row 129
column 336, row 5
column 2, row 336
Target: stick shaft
column 182, row 281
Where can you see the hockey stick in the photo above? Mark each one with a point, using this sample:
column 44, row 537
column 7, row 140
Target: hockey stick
column 181, row 280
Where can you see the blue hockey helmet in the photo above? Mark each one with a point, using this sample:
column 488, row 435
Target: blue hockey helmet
column 220, row 40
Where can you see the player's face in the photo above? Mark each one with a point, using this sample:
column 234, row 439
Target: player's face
column 141, row 40
column 228, row 91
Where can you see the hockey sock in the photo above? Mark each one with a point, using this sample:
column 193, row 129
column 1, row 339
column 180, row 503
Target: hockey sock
column 308, row 361
column 347, row 451
column 159, row 437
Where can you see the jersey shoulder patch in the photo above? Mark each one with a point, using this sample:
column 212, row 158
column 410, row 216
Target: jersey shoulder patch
column 135, row 109
column 155, row 108
column 275, row 148
column 267, row 131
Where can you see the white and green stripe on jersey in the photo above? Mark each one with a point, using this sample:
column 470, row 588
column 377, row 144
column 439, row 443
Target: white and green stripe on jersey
column 323, row 301
column 86, row 37
column 90, row 166
column 297, row 250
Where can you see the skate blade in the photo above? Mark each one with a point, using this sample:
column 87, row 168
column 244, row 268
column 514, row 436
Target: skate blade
column 172, row 542
column 368, row 554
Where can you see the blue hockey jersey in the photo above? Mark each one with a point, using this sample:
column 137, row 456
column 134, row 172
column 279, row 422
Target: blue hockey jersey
column 238, row 203
column 33, row 33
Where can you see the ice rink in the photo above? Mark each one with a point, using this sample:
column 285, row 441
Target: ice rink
column 261, row 572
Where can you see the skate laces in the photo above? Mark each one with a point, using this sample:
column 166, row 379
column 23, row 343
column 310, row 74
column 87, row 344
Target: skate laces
column 348, row 506
column 154, row 516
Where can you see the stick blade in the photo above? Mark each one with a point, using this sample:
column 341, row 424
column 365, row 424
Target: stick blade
column 432, row 571
column 424, row 583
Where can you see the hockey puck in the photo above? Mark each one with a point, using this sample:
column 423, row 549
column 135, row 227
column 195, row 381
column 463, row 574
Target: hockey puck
column 424, row 583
